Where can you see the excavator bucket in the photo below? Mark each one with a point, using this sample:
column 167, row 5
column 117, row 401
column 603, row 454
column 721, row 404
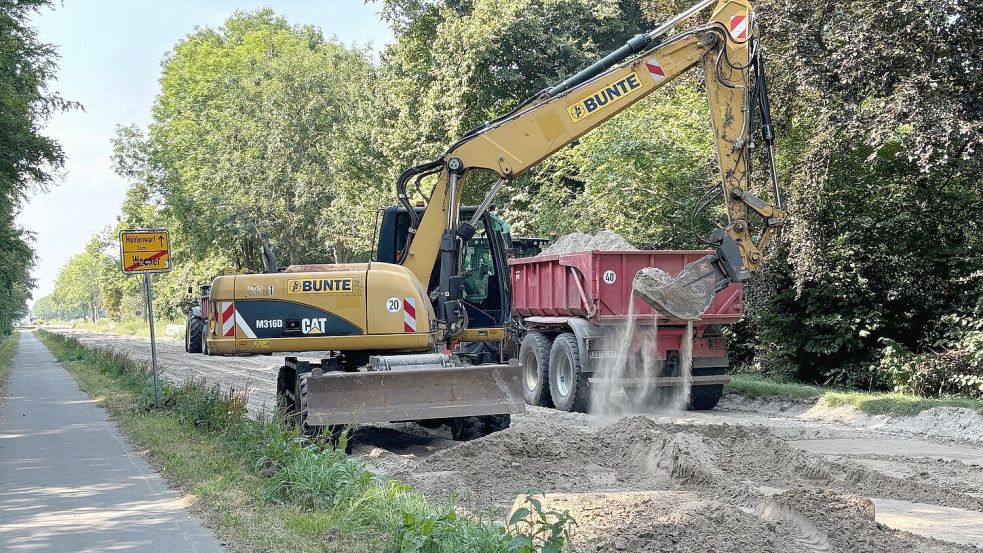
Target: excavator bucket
column 685, row 297
column 413, row 393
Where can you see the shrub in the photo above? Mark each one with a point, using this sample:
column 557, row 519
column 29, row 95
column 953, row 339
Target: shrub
column 956, row 371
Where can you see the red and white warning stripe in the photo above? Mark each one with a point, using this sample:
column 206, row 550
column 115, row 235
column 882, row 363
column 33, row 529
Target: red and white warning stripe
column 244, row 326
column 738, row 27
column 409, row 315
column 655, row 69
column 228, row 318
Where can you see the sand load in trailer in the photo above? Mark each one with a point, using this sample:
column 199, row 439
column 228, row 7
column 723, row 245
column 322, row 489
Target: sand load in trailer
column 574, row 306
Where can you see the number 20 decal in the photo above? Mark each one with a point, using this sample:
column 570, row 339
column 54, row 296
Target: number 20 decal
column 393, row 305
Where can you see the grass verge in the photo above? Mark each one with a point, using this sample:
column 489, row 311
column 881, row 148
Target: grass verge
column 756, row 386
column 874, row 403
column 262, row 487
column 8, row 347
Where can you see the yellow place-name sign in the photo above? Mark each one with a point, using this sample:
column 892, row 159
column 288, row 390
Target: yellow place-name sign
column 605, row 96
column 145, row 251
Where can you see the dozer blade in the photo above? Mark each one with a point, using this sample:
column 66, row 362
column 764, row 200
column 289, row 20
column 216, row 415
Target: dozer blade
column 338, row 398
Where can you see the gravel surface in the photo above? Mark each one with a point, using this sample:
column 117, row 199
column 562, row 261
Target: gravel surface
column 750, row 476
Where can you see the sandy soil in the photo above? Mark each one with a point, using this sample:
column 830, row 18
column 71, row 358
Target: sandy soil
column 750, row 476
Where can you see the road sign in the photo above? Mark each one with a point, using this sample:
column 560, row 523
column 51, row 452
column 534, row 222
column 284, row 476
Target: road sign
column 145, row 251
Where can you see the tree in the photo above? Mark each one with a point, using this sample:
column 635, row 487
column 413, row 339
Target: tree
column 77, row 285
column 883, row 173
column 28, row 159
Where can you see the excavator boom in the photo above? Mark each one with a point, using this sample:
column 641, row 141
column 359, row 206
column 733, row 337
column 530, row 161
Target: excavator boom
column 727, row 50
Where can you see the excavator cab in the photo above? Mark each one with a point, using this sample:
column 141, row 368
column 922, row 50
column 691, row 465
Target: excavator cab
column 482, row 264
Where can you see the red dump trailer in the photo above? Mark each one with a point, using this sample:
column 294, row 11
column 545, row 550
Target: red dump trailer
column 574, row 309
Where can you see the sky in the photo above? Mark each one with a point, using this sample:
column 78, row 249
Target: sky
column 110, row 53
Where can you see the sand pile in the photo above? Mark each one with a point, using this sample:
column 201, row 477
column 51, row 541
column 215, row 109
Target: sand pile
column 730, row 464
column 681, row 522
column 639, row 485
column 827, row 520
column 606, row 240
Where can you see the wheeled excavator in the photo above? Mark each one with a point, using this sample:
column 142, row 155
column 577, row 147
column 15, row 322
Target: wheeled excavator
column 400, row 338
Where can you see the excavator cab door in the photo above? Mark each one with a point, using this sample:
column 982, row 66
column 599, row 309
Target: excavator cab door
column 482, row 265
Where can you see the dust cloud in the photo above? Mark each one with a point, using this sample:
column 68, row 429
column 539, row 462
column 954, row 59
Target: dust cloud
column 630, row 380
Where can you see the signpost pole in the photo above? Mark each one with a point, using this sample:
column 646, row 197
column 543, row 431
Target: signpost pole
column 147, row 251
column 153, row 341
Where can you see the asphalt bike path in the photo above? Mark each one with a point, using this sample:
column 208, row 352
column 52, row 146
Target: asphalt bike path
column 69, row 481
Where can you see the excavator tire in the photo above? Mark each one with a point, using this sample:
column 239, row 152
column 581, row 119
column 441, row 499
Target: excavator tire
column 301, row 396
column 569, row 386
column 704, row 398
column 464, row 429
column 194, row 332
column 496, row 423
column 286, row 392
column 534, row 356
column 328, row 433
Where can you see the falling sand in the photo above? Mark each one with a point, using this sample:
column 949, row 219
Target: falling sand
column 630, row 382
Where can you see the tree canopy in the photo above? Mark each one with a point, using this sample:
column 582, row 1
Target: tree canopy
column 268, row 129
column 29, row 160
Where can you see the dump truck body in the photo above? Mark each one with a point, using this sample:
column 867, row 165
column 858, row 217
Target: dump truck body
column 588, row 295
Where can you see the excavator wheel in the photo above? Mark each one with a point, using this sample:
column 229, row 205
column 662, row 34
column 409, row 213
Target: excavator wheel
column 301, row 395
column 497, row 423
column 286, row 398
column 332, row 433
column 465, row 429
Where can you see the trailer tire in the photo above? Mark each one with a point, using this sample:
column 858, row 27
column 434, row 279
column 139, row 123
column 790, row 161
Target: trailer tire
column 194, row 333
column 569, row 386
column 534, row 356
column 464, row 429
column 704, row 398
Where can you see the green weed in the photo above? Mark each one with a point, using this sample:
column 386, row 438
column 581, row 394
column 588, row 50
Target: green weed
column 311, row 488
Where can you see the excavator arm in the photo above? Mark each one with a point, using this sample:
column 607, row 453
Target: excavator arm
column 725, row 47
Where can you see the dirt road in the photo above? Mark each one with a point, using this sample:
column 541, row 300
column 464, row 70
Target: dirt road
column 749, row 476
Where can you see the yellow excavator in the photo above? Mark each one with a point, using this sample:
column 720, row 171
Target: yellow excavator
column 401, row 338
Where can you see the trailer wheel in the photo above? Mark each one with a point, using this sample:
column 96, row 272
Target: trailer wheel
column 534, row 356
column 464, row 429
column 704, row 398
column 194, row 334
column 568, row 381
